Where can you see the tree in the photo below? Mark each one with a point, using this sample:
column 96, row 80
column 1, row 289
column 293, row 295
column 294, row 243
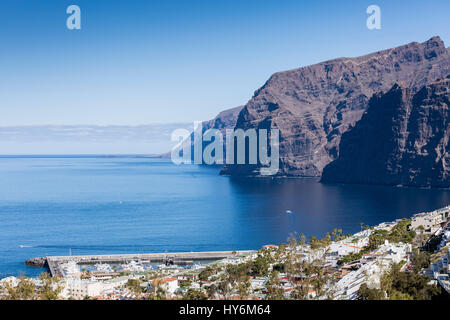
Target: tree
column 51, row 287
column 376, row 239
column 206, row 273
column 320, row 280
column 400, row 232
column 366, row 293
column 421, row 235
column 157, row 292
column 407, row 286
column 353, row 256
column 224, row 286
column 260, row 266
column 135, row 286
column 274, row 289
column 243, row 287
column 301, row 290
column 313, row 242
column 302, row 239
column 194, row 294
column 420, row 260
column 211, row 291
column 25, row 290
column 397, row 295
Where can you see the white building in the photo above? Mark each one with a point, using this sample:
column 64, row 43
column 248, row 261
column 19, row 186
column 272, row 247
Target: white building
column 170, row 285
column 372, row 268
column 79, row 289
column 258, row 283
column 343, row 249
column 12, row 281
column 431, row 221
column 348, row 287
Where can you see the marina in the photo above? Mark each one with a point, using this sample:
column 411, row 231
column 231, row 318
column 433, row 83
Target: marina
column 69, row 265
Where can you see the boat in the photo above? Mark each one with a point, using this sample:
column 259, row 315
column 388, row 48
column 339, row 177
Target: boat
column 70, row 268
column 168, row 264
column 196, row 266
column 163, row 266
column 288, row 211
column 104, row 267
column 133, row 266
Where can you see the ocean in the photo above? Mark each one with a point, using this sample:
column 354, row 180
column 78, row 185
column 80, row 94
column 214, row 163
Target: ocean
column 51, row 205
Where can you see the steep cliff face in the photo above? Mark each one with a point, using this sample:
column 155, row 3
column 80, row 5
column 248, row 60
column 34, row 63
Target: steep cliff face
column 223, row 121
column 402, row 139
column 313, row 106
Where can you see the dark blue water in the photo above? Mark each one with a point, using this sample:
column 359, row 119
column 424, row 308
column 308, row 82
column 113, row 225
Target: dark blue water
column 99, row 205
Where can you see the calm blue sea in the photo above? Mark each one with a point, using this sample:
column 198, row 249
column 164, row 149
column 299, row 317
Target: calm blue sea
column 100, row 205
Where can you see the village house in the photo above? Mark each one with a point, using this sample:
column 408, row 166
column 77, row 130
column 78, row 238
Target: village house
column 169, row 285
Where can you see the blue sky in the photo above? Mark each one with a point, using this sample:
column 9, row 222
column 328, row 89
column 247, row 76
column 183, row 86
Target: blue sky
column 138, row 62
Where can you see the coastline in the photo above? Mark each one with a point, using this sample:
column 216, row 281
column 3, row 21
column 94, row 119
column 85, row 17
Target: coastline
column 347, row 266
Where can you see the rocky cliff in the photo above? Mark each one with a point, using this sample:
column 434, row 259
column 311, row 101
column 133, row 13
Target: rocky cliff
column 402, row 139
column 223, row 121
column 314, row 105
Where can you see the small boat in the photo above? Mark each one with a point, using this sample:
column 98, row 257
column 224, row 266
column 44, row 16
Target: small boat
column 133, row 266
column 70, row 268
column 24, row 246
column 288, row 211
column 168, row 267
column 196, row 266
column 103, row 267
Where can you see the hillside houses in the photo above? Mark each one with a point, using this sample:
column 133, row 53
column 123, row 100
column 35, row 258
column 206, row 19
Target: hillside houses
column 430, row 221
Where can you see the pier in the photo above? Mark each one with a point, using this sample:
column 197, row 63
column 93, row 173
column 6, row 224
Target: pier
column 53, row 263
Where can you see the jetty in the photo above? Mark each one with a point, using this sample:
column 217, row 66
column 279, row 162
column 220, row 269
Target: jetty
column 53, row 263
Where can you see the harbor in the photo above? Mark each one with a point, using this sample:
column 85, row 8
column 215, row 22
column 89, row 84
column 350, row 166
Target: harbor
column 55, row 264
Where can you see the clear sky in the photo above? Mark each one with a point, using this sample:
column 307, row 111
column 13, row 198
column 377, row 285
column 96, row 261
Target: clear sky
column 138, row 62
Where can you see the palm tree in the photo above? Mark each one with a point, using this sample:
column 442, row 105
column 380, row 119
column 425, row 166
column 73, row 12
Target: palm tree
column 224, row 286
column 274, row 289
column 243, row 287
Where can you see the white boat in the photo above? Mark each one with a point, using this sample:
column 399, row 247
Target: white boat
column 70, row 268
column 196, row 266
column 164, row 266
column 288, row 211
column 104, row 267
column 133, row 266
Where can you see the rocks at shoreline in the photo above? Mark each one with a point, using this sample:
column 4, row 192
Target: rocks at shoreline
column 37, row 262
